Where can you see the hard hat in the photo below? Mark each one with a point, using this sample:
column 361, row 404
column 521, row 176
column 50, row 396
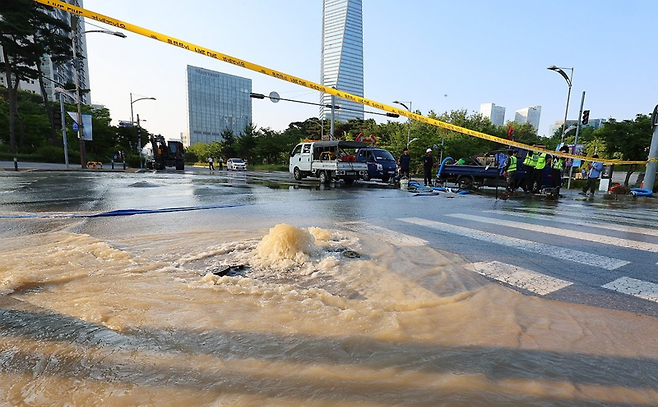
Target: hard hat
column 429, row 150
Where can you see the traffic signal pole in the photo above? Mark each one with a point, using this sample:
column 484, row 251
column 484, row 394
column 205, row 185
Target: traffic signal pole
column 575, row 142
column 650, row 174
column 66, row 147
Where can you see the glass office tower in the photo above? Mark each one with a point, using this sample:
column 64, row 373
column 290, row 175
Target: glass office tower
column 342, row 56
column 216, row 101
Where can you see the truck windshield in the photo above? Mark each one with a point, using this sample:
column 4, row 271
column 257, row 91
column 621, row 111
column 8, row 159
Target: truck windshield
column 383, row 155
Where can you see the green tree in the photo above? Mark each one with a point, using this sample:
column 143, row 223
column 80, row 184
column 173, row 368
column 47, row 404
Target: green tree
column 627, row 140
column 28, row 31
column 229, row 143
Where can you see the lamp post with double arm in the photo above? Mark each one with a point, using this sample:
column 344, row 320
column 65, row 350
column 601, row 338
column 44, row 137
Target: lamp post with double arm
column 132, row 121
column 76, row 67
column 569, row 83
column 409, row 122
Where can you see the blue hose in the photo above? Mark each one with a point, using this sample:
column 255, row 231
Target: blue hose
column 641, row 192
column 443, row 163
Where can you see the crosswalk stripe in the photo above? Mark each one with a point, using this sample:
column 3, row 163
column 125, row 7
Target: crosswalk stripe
column 615, row 241
column 572, row 221
column 398, row 239
column 637, row 288
column 605, row 218
column 519, row 277
column 576, row 256
column 633, row 216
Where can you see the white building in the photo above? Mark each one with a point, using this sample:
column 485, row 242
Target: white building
column 530, row 114
column 61, row 73
column 342, row 56
column 495, row 114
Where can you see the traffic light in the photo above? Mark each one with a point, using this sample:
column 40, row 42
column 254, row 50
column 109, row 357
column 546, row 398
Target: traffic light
column 57, row 120
column 585, row 117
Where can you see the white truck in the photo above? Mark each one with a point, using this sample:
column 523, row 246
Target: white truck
column 327, row 160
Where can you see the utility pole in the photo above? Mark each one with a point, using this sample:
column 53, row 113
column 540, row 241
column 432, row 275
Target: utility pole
column 650, row 175
column 575, row 142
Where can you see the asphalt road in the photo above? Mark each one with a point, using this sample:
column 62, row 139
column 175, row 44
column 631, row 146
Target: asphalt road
column 598, row 251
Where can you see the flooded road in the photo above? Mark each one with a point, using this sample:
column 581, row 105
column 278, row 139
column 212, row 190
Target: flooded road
column 251, row 290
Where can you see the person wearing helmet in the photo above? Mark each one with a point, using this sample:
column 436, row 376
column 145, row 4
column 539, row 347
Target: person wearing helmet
column 428, row 163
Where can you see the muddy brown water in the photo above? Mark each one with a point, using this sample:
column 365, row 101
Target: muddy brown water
column 303, row 317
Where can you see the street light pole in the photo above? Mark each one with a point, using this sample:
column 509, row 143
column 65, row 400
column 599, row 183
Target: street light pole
column 132, row 121
column 75, row 20
column 569, row 83
column 409, row 122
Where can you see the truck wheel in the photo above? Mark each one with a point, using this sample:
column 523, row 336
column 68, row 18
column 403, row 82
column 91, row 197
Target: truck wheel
column 385, row 179
column 349, row 181
column 298, row 174
column 465, row 182
column 180, row 165
column 325, row 177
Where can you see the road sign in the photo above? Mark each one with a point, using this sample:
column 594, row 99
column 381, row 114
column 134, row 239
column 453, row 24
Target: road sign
column 75, row 126
column 123, row 123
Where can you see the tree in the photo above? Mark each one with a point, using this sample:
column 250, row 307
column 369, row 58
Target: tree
column 247, row 142
column 627, row 140
column 229, row 143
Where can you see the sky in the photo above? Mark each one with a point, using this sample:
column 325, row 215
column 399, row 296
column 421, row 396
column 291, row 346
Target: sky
column 440, row 55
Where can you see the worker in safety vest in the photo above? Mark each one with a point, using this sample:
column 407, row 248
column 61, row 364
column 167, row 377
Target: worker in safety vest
column 529, row 167
column 510, row 169
column 542, row 160
column 557, row 166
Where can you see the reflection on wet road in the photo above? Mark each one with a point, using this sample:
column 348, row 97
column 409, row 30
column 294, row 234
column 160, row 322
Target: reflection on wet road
column 112, row 294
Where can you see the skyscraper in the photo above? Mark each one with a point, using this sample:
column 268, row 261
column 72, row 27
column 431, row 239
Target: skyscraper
column 496, row 114
column 216, row 102
column 342, row 56
column 530, row 114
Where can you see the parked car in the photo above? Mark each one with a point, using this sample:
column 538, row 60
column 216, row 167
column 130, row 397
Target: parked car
column 381, row 163
column 236, row 164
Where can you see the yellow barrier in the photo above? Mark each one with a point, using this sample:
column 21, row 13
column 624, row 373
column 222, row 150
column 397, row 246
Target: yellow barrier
column 301, row 82
column 94, row 164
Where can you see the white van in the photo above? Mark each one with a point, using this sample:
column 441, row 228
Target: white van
column 327, row 160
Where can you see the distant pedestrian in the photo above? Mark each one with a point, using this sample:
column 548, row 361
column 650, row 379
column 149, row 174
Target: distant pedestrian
column 405, row 162
column 428, row 163
column 211, row 166
column 595, row 169
column 221, row 163
column 510, row 169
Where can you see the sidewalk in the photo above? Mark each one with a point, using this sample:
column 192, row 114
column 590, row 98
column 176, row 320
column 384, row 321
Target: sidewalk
column 32, row 166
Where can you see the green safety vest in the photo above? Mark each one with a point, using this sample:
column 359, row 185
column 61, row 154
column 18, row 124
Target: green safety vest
column 541, row 161
column 530, row 159
column 512, row 164
column 558, row 164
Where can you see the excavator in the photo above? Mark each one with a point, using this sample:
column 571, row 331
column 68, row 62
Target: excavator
column 165, row 154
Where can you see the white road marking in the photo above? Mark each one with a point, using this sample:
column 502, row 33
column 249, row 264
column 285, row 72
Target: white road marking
column 637, row 288
column 592, row 237
column 519, row 277
column 632, row 218
column 576, row 256
column 572, row 221
column 395, row 238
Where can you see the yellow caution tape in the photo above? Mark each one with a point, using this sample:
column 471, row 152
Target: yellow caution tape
column 301, row 82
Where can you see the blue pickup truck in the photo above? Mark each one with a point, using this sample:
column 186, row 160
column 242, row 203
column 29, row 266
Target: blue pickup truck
column 475, row 175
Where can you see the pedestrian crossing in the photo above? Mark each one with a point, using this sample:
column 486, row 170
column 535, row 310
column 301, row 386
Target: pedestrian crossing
column 598, row 232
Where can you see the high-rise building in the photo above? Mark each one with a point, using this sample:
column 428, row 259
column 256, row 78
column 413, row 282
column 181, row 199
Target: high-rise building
column 216, row 102
column 496, row 114
column 342, row 57
column 530, row 114
column 55, row 74
column 558, row 126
